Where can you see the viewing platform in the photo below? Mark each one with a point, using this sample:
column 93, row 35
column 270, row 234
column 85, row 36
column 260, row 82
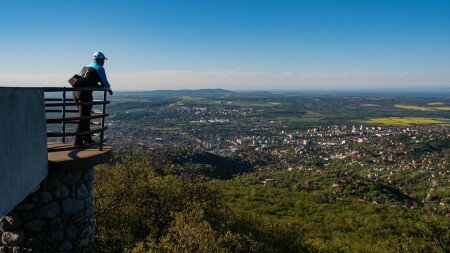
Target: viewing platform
column 46, row 181
column 62, row 110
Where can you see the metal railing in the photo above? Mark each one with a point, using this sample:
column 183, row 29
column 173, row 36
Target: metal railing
column 67, row 106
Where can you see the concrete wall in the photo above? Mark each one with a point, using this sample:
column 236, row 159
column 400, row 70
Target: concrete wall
column 23, row 144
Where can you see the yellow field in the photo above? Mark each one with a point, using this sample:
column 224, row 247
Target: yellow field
column 370, row 105
column 436, row 103
column 414, row 107
column 405, row 121
column 442, row 108
column 423, row 108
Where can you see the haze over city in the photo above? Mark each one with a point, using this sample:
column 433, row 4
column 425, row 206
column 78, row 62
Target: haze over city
column 237, row 45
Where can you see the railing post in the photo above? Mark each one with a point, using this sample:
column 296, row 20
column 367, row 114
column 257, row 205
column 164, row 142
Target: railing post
column 103, row 119
column 64, row 115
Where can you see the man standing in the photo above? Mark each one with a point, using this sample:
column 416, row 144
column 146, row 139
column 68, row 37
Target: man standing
column 91, row 75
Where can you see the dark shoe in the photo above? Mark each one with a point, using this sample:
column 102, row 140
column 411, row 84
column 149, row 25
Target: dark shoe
column 89, row 141
column 78, row 144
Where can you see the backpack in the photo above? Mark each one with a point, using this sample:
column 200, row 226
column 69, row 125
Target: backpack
column 77, row 80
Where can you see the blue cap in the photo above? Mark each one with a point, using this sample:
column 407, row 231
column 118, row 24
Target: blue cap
column 99, row 55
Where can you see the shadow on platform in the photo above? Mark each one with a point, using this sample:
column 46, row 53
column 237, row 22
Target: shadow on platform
column 64, row 156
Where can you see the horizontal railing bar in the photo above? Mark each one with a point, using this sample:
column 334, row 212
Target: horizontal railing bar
column 79, row 103
column 60, row 134
column 58, row 110
column 58, row 89
column 76, row 122
column 58, row 99
column 67, row 99
column 60, row 120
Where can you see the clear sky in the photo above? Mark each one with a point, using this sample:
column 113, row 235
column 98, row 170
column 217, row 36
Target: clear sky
column 231, row 44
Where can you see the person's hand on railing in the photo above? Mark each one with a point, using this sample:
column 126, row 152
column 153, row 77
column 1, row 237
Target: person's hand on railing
column 110, row 91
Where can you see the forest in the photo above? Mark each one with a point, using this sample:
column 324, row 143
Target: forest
column 145, row 202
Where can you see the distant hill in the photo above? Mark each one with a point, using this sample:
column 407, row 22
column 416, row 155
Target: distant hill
column 199, row 92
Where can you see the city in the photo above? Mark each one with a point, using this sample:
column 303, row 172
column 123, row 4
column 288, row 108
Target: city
column 410, row 160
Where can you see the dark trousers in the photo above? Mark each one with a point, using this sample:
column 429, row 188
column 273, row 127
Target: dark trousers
column 83, row 125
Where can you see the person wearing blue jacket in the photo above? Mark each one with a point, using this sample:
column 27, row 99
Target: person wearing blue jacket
column 93, row 76
column 97, row 64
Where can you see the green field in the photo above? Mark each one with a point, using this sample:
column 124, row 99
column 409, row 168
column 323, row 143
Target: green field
column 369, row 105
column 244, row 103
column 303, row 119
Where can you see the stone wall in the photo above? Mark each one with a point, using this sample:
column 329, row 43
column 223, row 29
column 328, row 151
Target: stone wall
column 58, row 217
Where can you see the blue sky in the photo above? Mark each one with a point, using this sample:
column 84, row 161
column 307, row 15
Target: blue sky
column 230, row 44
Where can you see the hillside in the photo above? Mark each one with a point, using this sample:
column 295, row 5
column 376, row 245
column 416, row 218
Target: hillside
column 146, row 202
